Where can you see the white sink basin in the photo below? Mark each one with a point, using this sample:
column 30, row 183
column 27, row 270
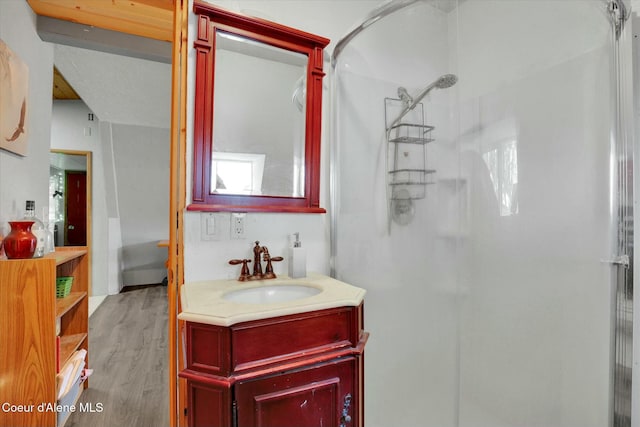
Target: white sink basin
column 271, row 294
column 228, row 302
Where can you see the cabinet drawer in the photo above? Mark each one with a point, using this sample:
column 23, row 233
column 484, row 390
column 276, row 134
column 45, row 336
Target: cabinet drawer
column 251, row 345
column 279, row 339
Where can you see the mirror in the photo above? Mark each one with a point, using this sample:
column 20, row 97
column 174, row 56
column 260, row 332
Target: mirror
column 69, row 196
column 257, row 114
column 259, row 128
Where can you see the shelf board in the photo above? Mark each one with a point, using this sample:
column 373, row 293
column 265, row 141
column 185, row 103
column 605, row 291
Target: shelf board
column 67, row 303
column 423, row 171
column 59, row 256
column 411, row 183
column 63, row 256
column 411, row 140
column 424, row 128
column 69, row 344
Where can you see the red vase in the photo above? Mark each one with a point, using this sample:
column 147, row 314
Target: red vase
column 20, row 242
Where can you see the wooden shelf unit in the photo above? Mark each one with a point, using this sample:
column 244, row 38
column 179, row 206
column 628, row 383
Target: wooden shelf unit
column 29, row 311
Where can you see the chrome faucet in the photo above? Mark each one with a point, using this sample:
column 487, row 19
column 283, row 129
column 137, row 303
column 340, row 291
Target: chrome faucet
column 258, row 251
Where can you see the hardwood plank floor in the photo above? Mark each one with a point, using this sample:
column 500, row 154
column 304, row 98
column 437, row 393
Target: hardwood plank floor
column 128, row 355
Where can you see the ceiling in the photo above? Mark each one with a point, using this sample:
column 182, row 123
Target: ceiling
column 115, row 56
column 61, row 87
column 118, row 89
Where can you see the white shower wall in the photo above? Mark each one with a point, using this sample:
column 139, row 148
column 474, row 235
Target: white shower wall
column 492, row 308
column 410, row 275
column 535, row 315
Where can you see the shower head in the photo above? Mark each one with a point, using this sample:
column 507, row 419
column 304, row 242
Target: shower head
column 409, row 103
column 446, row 81
column 443, row 82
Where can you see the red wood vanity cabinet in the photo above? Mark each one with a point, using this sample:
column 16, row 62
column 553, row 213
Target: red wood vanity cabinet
column 300, row 370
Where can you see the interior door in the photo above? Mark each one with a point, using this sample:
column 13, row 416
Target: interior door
column 76, row 208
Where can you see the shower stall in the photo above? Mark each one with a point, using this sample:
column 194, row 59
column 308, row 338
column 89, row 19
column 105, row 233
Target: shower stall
column 502, row 296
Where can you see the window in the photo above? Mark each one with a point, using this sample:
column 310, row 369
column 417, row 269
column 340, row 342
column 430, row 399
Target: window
column 502, row 163
column 237, row 173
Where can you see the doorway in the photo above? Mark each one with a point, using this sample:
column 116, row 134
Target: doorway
column 134, row 17
column 69, row 196
column 75, row 220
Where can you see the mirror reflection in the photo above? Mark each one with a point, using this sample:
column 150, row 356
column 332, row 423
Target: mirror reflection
column 259, row 118
column 68, row 201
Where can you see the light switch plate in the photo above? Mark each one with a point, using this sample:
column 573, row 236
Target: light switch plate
column 212, row 226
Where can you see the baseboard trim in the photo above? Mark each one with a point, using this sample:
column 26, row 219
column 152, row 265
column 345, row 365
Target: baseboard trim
column 130, row 288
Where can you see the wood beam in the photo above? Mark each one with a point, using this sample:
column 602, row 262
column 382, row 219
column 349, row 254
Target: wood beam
column 145, row 18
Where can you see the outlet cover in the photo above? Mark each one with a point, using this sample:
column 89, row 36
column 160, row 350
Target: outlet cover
column 238, row 225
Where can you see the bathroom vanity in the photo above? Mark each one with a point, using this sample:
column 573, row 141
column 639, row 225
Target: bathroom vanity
column 277, row 353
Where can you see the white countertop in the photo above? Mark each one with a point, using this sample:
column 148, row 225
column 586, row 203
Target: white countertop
column 203, row 301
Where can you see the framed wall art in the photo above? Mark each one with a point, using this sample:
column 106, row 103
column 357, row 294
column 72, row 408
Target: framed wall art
column 14, row 108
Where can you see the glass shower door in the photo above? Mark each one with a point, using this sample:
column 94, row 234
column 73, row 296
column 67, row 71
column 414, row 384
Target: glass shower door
column 535, row 120
column 493, row 305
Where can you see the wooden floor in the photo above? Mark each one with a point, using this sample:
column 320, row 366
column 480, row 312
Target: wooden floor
column 128, row 355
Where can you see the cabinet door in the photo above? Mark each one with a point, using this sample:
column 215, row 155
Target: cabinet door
column 208, row 406
column 310, row 397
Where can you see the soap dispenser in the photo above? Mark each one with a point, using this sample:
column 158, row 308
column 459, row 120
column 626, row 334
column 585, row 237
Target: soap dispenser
column 297, row 259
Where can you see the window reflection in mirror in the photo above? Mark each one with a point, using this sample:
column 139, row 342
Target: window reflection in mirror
column 259, row 114
column 237, row 173
column 69, row 178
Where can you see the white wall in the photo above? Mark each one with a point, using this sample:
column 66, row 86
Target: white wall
column 135, row 143
column 130, row 199
column 141, row 167
column 112, row 211
column 209, row 259
column 26, row 178
column 71, row 130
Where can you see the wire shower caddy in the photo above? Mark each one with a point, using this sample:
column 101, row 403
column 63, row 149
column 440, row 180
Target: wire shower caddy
column 408, row 175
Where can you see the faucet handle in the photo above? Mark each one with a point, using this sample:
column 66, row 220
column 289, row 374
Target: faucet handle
column 268, row 273
column 244, row 273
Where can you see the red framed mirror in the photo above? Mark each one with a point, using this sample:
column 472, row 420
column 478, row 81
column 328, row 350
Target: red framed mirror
column 258, row 114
